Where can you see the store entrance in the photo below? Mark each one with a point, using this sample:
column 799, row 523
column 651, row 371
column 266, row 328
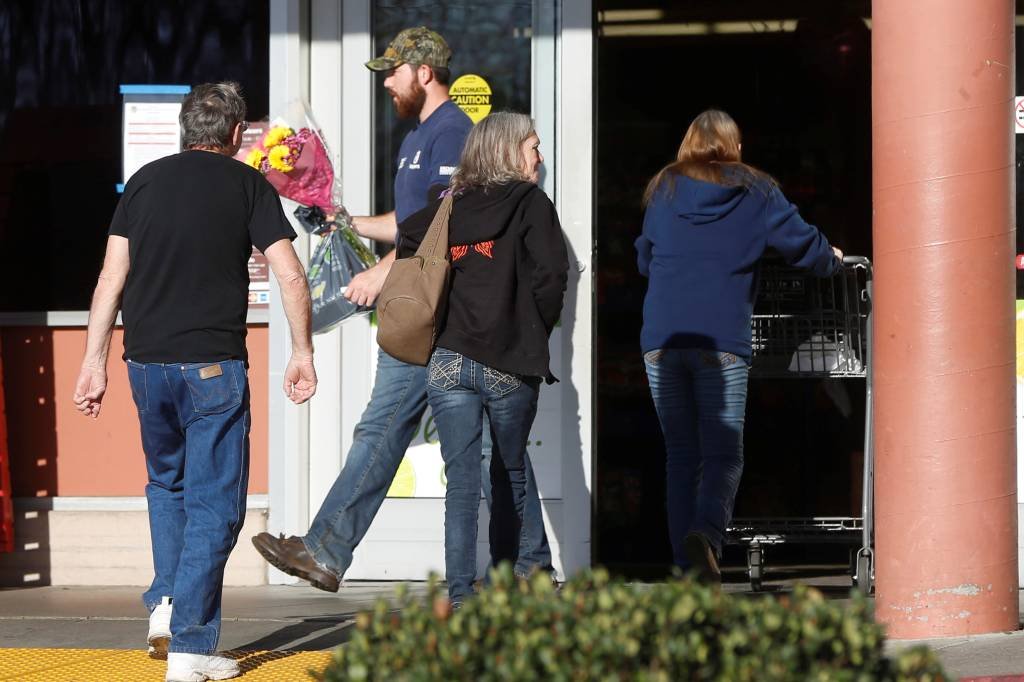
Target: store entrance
column 795, row 75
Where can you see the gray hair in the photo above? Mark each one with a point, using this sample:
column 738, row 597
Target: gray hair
column 493, row 153
column 209, row 115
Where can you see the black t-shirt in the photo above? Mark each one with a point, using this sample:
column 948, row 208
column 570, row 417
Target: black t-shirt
column 191, row 221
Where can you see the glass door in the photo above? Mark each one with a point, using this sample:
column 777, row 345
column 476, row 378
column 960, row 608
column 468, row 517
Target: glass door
column 502, row 58
column 490, row 68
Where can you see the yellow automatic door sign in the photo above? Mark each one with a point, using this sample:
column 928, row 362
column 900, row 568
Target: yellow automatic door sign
column 472, row 94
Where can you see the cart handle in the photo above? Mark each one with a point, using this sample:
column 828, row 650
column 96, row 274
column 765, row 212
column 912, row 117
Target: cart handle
column 856, row 260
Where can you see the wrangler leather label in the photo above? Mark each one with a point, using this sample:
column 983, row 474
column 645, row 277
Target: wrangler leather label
column 211, row 371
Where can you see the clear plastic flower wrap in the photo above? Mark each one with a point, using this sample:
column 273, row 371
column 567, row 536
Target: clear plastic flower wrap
column 295, row 159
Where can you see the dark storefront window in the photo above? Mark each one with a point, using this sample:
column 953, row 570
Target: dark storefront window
column 796, row 77
column 488, row 38
column 61, row 64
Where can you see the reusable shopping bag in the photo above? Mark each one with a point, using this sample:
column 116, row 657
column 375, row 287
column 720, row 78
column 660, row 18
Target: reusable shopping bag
column 331, row 268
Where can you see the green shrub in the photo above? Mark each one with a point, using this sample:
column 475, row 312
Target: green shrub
column 600, row 629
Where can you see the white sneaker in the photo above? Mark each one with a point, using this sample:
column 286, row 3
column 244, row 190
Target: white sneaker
column 198, row 668
column 160, row 629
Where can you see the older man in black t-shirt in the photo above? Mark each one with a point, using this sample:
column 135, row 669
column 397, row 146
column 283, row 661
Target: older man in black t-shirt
column 176, row 263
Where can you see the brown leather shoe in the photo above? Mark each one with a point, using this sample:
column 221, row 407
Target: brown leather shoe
column 290, row 555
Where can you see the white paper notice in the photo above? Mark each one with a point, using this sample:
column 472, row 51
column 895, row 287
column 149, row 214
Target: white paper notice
column 150, row 133
column 1018, row 114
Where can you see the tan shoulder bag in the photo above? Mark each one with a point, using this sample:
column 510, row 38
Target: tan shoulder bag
column 412, row 302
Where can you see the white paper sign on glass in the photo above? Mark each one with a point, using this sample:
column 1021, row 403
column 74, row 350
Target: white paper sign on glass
column 150, row 129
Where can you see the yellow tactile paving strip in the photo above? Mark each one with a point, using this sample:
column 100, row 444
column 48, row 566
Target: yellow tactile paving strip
column 115, row 665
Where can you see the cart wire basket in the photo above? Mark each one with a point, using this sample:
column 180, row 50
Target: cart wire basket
column 809, row 327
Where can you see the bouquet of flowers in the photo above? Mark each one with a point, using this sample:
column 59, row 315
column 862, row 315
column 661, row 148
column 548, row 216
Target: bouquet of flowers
column 294, row 157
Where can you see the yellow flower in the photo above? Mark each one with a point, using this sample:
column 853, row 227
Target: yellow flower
column 255, row 158
column 278, row 158
column 275, row 135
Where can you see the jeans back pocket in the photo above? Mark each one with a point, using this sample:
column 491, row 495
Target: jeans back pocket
column 718, row 359
column 444, row 369
column 212, row 385
column 653, row 357
column 500, row 383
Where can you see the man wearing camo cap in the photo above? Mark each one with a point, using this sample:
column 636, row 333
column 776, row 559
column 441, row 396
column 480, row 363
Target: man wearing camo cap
column 415, row 65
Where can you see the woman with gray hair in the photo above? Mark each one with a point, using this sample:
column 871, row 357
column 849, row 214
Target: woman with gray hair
column 508, row 275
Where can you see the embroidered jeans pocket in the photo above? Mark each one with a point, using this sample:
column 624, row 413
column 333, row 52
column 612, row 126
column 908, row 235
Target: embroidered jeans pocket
column 500, row 383
column 654, row 356
column 717, row 359
column 444, row 369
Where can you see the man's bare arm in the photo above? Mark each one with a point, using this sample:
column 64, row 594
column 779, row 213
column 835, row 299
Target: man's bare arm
column 381, row 228
column 106, row 300
column 299, row 375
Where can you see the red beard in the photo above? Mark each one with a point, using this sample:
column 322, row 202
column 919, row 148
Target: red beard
column 411, row 103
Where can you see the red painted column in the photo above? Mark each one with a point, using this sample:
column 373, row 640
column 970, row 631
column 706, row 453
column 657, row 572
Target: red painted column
column 944, row 240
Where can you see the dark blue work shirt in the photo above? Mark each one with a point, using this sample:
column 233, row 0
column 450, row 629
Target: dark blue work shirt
column 428, row 156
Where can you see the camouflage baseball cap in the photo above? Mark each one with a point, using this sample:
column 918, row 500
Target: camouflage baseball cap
column 413, row 46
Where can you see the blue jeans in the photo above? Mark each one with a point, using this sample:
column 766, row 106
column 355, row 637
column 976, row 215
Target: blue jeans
column 529, row 550
column 461, row 391
column 700, row 397
column 386, row 428
column 195, row 432
column 381, row 437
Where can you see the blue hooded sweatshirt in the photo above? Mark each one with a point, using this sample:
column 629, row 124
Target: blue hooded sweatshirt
column 701, row 247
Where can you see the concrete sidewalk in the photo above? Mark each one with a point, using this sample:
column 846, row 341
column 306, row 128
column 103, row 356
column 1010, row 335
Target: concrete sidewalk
column 300, row 618
column 278, row 617
column 980, row 656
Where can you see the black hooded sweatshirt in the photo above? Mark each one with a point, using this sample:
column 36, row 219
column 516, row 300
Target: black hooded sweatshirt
column 509, row 271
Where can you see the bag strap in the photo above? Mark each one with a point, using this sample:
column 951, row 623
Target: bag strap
column 435, row 242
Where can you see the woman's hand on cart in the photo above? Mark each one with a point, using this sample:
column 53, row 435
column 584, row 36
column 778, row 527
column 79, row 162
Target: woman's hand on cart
column 839, row 252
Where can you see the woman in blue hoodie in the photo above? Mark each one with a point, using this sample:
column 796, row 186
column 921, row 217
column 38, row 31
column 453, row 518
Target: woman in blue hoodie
column 709, row 220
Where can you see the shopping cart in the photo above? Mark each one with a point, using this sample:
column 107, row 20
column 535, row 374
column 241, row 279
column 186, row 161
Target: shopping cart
column 806, row 327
